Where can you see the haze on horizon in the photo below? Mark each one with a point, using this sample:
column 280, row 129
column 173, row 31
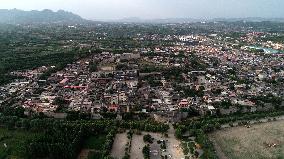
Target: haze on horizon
column 155, row 9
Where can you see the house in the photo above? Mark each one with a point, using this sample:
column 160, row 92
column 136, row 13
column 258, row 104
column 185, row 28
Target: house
column 122, row 97
column 183, row 103
column 211, row 109
column 129, row 56
column 113, row 108
column 114, row 99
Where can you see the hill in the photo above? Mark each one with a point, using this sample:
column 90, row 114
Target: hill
column 15, row 16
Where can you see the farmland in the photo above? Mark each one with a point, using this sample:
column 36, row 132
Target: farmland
column 264, row 140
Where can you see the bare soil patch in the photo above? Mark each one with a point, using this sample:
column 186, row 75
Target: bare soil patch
column 137, row 146
column 118, row 148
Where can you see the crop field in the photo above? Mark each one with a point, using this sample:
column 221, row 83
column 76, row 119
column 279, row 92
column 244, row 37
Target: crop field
column 260, row 141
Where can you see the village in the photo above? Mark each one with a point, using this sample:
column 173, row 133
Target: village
column 141, row 79
column 198, row 75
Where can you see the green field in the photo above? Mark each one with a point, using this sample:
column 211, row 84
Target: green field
column 12, row 143
column 251, row 143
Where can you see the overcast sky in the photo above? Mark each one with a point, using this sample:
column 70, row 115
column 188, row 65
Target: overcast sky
column 151, row 9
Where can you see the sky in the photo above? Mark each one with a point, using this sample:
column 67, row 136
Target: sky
column 156, row 9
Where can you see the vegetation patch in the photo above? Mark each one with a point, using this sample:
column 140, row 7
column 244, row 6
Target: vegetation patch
column 95, row 142
column 12, row 142
column 258, row 141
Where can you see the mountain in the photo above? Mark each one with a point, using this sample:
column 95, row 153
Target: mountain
column 15, row 16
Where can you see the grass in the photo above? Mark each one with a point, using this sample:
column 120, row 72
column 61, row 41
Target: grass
column 95, row 142
column 15, row 141
column 251, row 143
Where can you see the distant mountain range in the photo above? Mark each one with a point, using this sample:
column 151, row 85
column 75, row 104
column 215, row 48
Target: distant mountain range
column 249, row 19
column 192, row 20
column 15, row 16
column 166, row 20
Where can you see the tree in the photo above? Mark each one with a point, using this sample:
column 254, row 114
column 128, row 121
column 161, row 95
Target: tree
column 148, row 138
column 146, row 152
column 93, row 67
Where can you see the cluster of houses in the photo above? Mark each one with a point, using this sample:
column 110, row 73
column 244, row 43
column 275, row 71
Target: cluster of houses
column 230, row 82
column 223, row 80
column 82, row 89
